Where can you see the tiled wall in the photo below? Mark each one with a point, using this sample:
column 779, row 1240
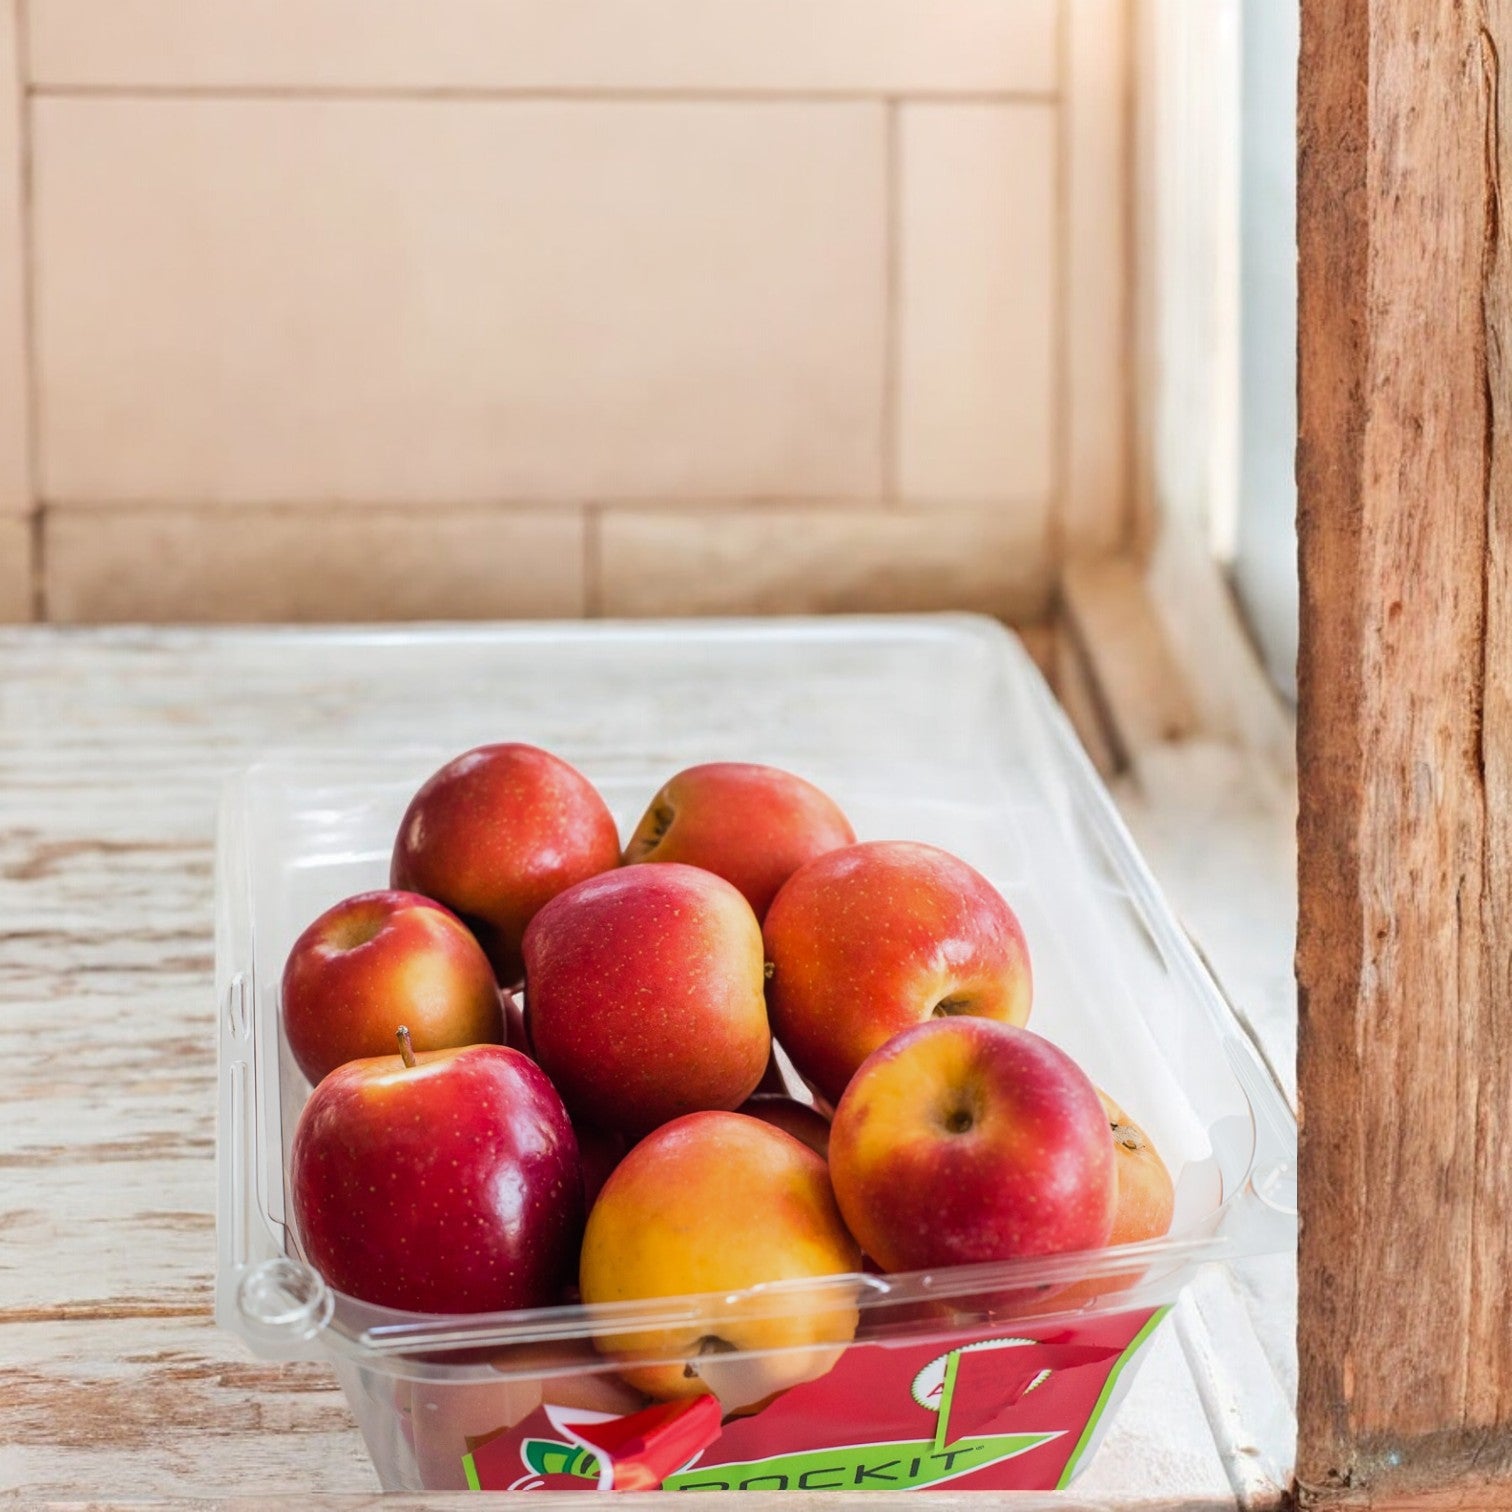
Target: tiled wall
column 406, row 308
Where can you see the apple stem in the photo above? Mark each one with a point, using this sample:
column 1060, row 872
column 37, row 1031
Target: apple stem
column 406, row 1049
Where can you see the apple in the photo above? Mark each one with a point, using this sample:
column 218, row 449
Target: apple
column 497, row 833
column 569, row 1372
column 444, row 1418
column 443, row 1182
column 377, row 960
column 1143, row 1208
column 752, row 825
column 600, row 1151
column 1146, row 1194
column 643, row 996
column 792, row 1117
column 718, row 1202
column 866, row 941
column 964, row 1140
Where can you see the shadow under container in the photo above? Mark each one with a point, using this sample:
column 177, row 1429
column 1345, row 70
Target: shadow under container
column 938, row 729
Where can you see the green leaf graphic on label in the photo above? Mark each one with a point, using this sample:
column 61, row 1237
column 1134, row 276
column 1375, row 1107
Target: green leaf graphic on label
column 552, row 1457
column 860, row 1467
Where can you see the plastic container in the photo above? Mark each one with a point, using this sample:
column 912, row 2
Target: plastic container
column 936, row 729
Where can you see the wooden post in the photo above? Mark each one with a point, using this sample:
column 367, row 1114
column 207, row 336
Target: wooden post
column 1405, row 748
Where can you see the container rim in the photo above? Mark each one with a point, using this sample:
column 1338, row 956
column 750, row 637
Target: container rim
column 384, row 1331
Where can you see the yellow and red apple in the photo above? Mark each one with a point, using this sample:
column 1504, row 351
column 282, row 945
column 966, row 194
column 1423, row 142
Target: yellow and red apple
column 643, row 996
column 867, row 941
column 717, row 1203
column 752, row 825
column 495, row 835
column 378, row 960
column 964, row 1140
column 1146, row 1194
column 445, row 1182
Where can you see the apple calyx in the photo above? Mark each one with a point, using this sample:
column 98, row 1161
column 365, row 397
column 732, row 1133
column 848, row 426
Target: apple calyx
column 653, row 829
column 949, row 1007
column 355, row 932
column 1130, row 1136
column 709, row 1344
column 406, row 1049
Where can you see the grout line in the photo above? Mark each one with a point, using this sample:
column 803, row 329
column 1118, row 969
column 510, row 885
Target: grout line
column 214, row 516
column 593, row 562
column 617, row 94
column 1055, row 523
column 38, row 543
column 1128, row 333
column 892, row 315
column 30, row 356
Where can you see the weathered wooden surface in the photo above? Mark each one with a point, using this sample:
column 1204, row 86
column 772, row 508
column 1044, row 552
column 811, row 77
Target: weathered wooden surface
column 1110, row 617
column 114, row 1381
column 1405, row 947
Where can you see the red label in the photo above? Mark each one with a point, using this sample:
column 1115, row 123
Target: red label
column 988, row 1412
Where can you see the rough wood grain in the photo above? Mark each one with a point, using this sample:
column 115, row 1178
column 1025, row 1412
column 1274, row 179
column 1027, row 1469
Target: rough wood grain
column 165, row 1407
column 1405, row 944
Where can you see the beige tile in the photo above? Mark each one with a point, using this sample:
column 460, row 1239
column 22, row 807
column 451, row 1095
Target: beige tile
column 1096, row 505
column 15, row 480
column 794, row 560
column 161, row 565
column 15, row 569
column 976, row 374
column 889, row 45
column 403, row 301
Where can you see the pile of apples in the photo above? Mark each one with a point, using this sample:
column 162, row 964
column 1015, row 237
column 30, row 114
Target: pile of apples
column 625, row 1132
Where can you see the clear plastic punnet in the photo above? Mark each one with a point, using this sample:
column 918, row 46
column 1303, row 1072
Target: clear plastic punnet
column 925, row 728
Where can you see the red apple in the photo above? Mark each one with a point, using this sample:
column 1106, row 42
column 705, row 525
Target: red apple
column 445, row 1182
column 717, row 1202
column 792, row 1117
column 643, row 996
column 752, row 825
column 965, row 1140
column 378, row 960
column 497, row 833
column 600, row 1151
column 866, row 941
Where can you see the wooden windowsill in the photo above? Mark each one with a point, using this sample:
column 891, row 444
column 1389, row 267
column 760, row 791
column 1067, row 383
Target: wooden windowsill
column 1214, row 815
